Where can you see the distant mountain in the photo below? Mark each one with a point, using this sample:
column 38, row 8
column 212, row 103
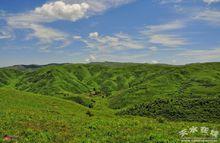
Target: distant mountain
column 30, row 67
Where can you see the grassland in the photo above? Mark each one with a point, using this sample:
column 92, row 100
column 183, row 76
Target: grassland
column 108, row 102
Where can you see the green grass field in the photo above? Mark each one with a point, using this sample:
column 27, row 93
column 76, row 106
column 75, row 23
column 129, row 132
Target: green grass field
column 108, row 102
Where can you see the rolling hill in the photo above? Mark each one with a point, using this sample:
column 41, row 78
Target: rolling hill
column 125, row 84
column 107, row 102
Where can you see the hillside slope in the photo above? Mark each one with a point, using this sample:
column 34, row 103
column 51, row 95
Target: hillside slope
column 125, row 84
column 36, row 118
column 9, row 77
column 196, row 80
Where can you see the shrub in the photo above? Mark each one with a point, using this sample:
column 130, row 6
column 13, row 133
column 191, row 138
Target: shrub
column 89, row 113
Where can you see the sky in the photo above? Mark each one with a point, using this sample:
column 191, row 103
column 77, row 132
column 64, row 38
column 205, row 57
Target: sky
column 82, row 31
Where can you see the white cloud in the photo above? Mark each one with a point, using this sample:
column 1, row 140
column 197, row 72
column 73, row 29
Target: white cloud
column 211, row 1
column 174, row 25
column 202, row 54
column 170, row 1
column 212, row 16
column 158, row 34
column 173, row 61
column 118, row 41
column 167, row 40
column 179, row 1
column 63, row 11
column 94, row 35
column 47, row 37
column 120, row 56
column 153, row 48
column 77, row 37
column 91, row 58
column 45, row 34
column 154, row 61
column 50, row 12
column 99, row 6
column 53, row 11
column 5, row 34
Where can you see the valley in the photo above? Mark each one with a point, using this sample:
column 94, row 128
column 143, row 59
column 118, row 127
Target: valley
column 108, row 102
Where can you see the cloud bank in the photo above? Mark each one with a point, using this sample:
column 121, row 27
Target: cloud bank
column 54, row 10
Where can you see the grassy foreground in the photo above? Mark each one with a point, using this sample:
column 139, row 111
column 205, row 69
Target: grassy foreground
column 41, row 119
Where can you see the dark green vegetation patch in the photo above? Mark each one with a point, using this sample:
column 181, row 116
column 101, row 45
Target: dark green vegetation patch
column 186, row 109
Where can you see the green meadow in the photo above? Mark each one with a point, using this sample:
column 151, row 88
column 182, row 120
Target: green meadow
column 109, row 102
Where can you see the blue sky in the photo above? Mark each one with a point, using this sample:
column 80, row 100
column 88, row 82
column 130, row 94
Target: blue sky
column 81, row 31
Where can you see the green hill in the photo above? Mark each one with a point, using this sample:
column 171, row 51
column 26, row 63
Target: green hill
column 51, row 80
column 125, row 84
column 196, row 80
column 120, row 77
column 9, row 77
